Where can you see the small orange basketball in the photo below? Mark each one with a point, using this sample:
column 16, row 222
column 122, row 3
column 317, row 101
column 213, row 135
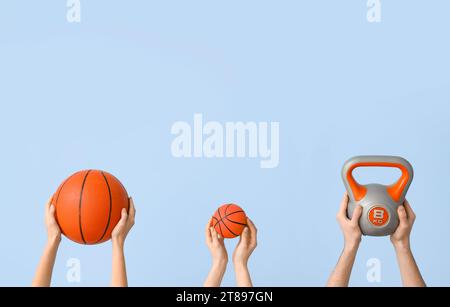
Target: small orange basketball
column 88, row 206
column 229, row 221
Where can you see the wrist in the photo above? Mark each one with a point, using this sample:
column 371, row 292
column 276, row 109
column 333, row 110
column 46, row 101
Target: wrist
column 402, row 246
column 240, row 264
column 352, row 246
column 220, row 264
column 53, row 240
column 240, row 268
column 118, row 243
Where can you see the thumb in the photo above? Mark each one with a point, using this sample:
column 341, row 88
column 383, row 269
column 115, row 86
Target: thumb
column 51, row 212
column 123, row 217
column 402, row 215
column 245, row 236
column 49, row 202
column 356, row 215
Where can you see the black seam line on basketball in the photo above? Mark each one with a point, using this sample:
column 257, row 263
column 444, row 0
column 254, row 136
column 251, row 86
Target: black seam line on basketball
column 56, row 201
column 221, row 219
column 57, row 198
column 221, row 232
column 110, row 208
column 220, row 227
column 233, row 213
column 216, row 222
column 81, row 203
column 226, row 217
column 218, row 211
column 234, row 222
column 59, row 192
column 228, row 228
column 226, row 209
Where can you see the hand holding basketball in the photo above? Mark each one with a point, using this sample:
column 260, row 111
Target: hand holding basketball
column 407, row 217
column 88, row 205
column 53, row 230
column 216, row 246
column 124, row 225
column 350, row 227
column 229, row 221
column 247, row 244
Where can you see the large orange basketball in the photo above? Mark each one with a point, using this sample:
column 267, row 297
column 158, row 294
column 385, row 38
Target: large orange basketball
column 229, row 221
column 88, row 206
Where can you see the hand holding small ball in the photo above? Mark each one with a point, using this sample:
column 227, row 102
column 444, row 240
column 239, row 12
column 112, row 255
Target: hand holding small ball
column 216, row 246
column 247, row 244
column 230, row 221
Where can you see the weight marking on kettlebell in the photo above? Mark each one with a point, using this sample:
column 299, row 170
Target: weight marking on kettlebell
column 378, row 216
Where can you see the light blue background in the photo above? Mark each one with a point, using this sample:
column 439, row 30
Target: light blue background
column 104, row 94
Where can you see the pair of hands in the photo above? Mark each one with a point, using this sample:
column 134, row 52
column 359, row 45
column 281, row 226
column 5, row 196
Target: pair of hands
column 44, row 270
column 352, row 232
column 244, row 249
column 247, row 244
column 118, row 234
column 410, row 273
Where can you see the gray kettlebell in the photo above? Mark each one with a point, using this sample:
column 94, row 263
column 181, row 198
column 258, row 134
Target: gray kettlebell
column 379, row 202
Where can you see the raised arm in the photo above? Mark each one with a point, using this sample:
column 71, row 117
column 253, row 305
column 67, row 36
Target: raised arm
column 43, row 275
column 219, row 256
column 340, row 277
column 409, row 270
column 119, row 234
column 247, row 244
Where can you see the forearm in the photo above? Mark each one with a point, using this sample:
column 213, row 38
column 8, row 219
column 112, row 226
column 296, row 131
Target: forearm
column 243, row 278
column 409, row 270
column 340, row 277
column 119, row 271
column 43, row 276
column 215, row 275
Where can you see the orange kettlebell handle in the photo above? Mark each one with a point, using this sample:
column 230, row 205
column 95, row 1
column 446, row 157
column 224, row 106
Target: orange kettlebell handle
column 397, row 191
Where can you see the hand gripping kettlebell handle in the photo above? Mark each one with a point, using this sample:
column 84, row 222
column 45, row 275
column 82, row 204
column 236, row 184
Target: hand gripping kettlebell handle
column 397, row 191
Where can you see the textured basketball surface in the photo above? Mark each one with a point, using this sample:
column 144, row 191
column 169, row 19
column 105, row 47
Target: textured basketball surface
column 88, row 206
column 229, row 221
